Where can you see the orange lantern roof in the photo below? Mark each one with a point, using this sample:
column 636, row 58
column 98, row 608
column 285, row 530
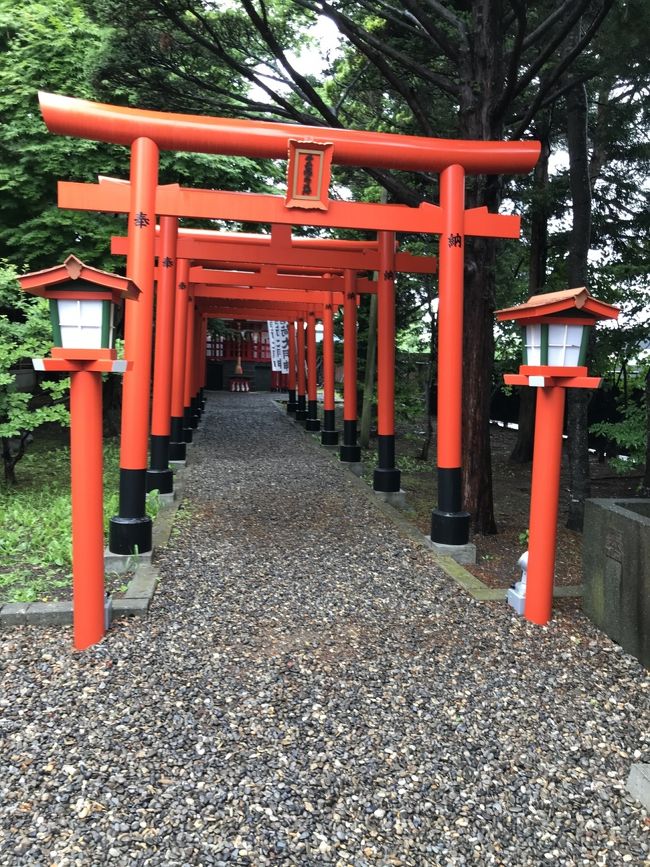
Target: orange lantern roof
column 73, row 276
column 574, row 305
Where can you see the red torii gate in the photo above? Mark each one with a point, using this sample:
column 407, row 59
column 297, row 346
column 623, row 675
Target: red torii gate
column 303, row 314
column 294, row 265
column 145, row 132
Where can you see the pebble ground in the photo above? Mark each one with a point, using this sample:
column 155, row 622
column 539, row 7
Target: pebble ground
column 310, row 689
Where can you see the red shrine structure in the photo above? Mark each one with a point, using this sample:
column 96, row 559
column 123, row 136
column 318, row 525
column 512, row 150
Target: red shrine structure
column 196, row 276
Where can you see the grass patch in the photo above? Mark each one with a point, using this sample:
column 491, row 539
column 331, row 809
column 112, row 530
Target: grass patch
column 35, row 522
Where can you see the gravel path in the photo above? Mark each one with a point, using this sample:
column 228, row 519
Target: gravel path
column 310, row 689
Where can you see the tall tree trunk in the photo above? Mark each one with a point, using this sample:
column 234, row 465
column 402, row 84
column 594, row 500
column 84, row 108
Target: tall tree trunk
column 483, row 75
column 578, row 399
column 522, row 452
column 369, row 383
column 432, row 379
column 646, row 475
column 477, row 375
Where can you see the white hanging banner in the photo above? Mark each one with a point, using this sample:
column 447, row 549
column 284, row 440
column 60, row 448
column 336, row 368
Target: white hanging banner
column 279, row 345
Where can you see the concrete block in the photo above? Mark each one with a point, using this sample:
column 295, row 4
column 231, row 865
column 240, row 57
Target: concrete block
column 638, row 783
column 162, row 526
column 14, row 614
column 121, row 563
column 616, row 551
column 49, row 613
column 489, row 594
column 517, row 599
column 459, row 553
column 355, row 467
column 166, row 499
column 130, row 608
column 569, row 591
column 176, row 464
column 143, row 584
column 396, row 499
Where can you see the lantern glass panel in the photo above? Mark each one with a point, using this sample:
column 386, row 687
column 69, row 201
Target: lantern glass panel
column 533, row 344
column 564, row 344
column 81, row 323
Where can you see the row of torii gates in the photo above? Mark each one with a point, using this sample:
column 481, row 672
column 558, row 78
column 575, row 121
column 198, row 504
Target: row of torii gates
column 197, row 275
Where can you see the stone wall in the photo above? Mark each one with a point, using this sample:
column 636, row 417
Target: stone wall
column 616, row 563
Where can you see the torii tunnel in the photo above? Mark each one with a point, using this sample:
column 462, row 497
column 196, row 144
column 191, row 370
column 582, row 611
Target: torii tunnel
column 208, row 274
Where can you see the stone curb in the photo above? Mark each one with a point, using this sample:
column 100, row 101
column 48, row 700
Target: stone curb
column 139, row 592
column 638, row 783
column 470, row 583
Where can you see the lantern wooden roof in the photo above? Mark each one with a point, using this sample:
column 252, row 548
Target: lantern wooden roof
column 566, row 303
column 50, row 282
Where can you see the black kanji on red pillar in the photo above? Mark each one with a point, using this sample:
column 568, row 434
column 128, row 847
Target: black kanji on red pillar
column 389, row 275
column 182, row 286
column 455, row 241
column 167, row 262
column 141, row 220
column 307, row 175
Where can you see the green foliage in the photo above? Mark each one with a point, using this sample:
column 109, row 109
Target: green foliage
column 35, row 522
column 629, row 434
column 405, row 463
column 47, row 46
column 25, row 333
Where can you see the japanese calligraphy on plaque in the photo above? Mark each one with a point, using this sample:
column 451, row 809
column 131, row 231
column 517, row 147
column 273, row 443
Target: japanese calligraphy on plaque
column 308, row 174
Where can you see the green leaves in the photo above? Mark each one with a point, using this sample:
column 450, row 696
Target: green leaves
column 25, row 333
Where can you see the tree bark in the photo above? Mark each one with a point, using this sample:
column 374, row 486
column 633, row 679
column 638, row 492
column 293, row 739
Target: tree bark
column 431, row 387
column 578, row 399
column 483, row 66
column 11, row 458
column 522, row 453
column 477, row 376
column 646, row 475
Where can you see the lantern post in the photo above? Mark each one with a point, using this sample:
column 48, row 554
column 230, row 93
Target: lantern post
column 82, row 304
column 556, row 328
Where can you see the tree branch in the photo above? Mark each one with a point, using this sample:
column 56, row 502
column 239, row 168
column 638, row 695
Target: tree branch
column 447, row 47
column 563, row 65
column 551, row 47
column 360, row 37
column 308, row 91
column 548, row 22
column 449, row 17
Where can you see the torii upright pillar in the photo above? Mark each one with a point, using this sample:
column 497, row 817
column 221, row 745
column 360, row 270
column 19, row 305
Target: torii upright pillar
column 386, row 477
column 130, row 530
column 301, row 411
column 292, row 405
column 350, row 450
column 329, row 435
column 312, row 422
column 189, row 422
column 177, row 445
column 449, row 523
column 159, row 475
